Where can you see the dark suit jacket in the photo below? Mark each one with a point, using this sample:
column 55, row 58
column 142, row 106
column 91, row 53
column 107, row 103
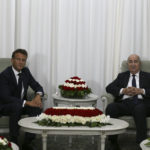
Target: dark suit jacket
column 8, row 85
column 122, row 80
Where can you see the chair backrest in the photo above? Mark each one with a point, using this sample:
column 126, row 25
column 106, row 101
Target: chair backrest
column 4, row 63
column 145, row 65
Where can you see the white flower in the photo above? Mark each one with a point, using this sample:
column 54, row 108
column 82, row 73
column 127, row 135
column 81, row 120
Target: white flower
column 71, row 85
column 104, row 119
column 3, row 141
column 74, row 119
column 91, row 108
column 79, row 119
column 83, row 85
column 42, row 116
column 75, row 86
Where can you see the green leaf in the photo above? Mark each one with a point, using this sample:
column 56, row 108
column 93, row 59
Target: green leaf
column 74, row 93
column 49, row 122
column 147, row 144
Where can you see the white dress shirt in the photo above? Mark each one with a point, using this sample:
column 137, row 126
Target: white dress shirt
column 130, row 85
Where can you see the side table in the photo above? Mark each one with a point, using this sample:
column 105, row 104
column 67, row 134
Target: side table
column 90, row 100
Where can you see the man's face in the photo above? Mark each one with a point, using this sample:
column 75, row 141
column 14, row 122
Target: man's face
column 133, row 64
column 19, row 61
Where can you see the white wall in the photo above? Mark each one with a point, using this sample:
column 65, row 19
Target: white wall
column 88, row 38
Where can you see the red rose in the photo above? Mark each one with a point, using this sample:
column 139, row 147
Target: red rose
column 9, row 144
column 73, row 112
column 75, row 77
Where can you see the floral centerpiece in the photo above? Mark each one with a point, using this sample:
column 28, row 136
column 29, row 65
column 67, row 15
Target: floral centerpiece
column 72, row 116
column 74, row 87
column 148, row 142
column 5, row 144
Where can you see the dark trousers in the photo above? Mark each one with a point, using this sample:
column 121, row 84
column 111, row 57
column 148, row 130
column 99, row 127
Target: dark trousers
column 139, row 112
column 14, row 111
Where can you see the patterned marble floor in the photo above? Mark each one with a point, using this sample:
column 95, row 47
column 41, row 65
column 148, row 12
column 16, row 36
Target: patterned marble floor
column 126, row 142
column 61, row 142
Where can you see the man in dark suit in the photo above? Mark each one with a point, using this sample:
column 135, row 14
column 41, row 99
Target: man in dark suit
column 14, row 82
column 132, row 97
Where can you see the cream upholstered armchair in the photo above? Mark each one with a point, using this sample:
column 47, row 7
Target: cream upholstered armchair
column 4, row 120
column 108, row 98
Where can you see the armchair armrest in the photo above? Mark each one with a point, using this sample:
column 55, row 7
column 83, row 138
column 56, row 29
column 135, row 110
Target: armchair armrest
column 31, row 94
column 106, row 99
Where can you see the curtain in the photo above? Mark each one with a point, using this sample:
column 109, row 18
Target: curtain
column 86, row 38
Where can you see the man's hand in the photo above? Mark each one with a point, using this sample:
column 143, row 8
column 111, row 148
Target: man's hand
column 132, row 91
column 138, row 91
column 36, row 102
column 128, row 91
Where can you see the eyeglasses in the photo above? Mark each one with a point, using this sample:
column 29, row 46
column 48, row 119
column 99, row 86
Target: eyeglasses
column 19, row 59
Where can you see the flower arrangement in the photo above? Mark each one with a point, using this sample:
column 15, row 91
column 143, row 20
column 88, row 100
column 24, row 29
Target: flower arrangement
column 5, row 144
column 148, row 143
column 72, row 116
column 74, row 87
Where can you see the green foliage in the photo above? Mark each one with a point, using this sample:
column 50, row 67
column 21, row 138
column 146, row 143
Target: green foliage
column 49, row 122
column 148, row 143
column 74, row 93
column 2, row 147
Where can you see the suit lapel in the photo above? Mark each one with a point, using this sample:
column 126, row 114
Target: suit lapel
column 141, row 78
column 24, row 80
column 14, row 80
column 126, row 79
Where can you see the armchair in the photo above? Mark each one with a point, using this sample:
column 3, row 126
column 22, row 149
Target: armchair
column 108, row 98
column 4, row 120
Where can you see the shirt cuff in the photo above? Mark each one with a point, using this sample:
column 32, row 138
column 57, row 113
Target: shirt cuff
column 121, row 91
column 23, row 103
column 143, row 91
column 40, row 93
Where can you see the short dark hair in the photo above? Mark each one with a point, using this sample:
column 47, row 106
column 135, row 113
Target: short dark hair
column 22, row 51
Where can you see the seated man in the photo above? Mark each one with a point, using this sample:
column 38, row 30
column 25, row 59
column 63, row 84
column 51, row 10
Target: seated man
column 132, row 97
column 14, row 82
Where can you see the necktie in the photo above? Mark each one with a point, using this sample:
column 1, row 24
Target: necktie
column 19, row 86
column 135, row 98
